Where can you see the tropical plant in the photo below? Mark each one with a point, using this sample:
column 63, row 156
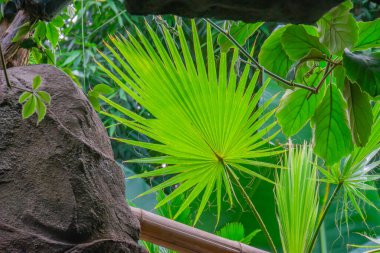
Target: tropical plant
column 374, row 248
column 356, row 173
column 205, row 120
column 344, row 79
column 297, row 199
column 235, row 231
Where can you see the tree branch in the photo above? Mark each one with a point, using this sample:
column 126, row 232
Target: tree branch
column 255, row 63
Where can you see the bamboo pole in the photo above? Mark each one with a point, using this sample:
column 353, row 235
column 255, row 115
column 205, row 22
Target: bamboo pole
column 185, row 239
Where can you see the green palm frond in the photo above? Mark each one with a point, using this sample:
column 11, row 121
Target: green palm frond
column 204, row 116
column 297, row 200
column 356, row 172
column 235, row 231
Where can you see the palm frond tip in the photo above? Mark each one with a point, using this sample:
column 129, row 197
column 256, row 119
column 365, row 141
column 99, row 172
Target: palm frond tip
column 204, row 115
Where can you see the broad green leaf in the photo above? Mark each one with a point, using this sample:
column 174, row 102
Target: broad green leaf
column 94, row 100
column 364, row 69
column 339, row 74
column 44, row 96
column 333, row 139
column 40, row 31
column 103, row 89
column 22, row 31
column 52, row 34
column 58, row 21
column 240, row 31
column 272, row 55
column 296, row 107
column 37, row 80
column 369, row 35
column 360, row 113
column 338, row 29
column 24, row 96
column 29, row 107
column 41, row 110
column 298, row 43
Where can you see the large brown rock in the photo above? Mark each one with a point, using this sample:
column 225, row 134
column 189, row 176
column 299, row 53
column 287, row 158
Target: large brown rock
column 60, row 189
column 294, row 11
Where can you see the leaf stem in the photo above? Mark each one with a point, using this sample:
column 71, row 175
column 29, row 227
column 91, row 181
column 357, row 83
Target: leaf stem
column 316, row 232
column 252, row 207
column 328, row 71
column 4, row 66
column 255, row 63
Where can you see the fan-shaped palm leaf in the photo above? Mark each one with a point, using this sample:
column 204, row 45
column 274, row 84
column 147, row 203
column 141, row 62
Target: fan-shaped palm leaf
column 204, row 116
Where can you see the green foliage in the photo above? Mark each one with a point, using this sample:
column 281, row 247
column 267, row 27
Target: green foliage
column 273, row 55
column 364, row 69
column 297, row 199
column 296, row 107
column 240, row 31
column 369, row 35
column 372, row 248
column 35, row 100
column 100, row 89
column 338, row 29
column 321, row 59
column 204, row 122
column 331, row 127
column 357, row 171
column 235, row 231
column 299, row 42
column 360, row 113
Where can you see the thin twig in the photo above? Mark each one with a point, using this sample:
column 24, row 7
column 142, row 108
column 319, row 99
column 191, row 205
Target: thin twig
column 253, row 208
column 328, row 71
column 316, row 232
column 4, row 67
column 255, row 63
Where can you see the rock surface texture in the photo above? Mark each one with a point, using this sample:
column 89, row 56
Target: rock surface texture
column 294, row 11
column 60, row 189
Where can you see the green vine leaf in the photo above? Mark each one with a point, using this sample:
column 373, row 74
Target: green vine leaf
column 41, row 110
column 339, row 75
column 29, row 107
column 241, row 32
column 37, row 80
column 369, row 35
column 332, row 135
column 22, row 31
column 298, row 43
column 52, row 34
column 296, row 107
column 338, row 29
column 272, row 55
column 44, row 96
column 24, row 97
column 364, row 69
column 35, row 101
column 360, row 113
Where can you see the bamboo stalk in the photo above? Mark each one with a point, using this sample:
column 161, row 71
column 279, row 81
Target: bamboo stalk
column 185, row 239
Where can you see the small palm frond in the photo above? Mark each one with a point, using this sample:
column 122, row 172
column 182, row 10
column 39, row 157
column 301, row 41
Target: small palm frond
column 297, row 200
column 356, row 172
column 204, row 116
column 235, row 231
